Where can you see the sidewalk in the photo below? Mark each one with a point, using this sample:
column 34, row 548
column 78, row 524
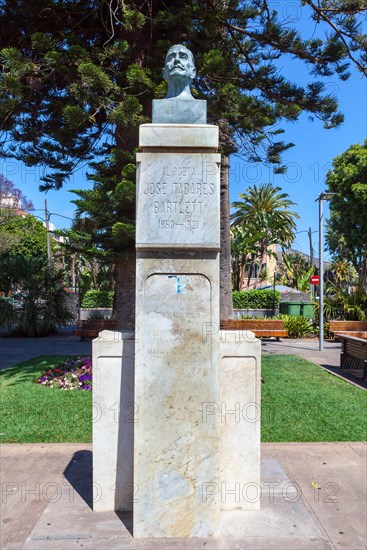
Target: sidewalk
column 47, row 502
column 16, row 350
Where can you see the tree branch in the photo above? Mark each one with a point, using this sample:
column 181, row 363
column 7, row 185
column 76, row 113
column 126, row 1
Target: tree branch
column 341, row 34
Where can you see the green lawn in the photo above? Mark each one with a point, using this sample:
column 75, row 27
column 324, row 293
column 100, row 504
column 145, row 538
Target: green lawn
column 31, row 413
column 300, row 402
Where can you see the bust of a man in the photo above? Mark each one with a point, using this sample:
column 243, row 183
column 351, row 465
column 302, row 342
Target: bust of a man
column 179, row 71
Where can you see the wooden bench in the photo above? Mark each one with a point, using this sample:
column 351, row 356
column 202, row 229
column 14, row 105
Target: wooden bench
column 90, row 328
column 262, row 328
column 354, row 354
column 350, row 328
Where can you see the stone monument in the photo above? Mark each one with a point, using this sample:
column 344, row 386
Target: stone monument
column 177, row 294
column 177, row 438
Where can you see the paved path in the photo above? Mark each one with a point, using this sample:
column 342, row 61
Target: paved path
column 46, row 502
column 16, row 350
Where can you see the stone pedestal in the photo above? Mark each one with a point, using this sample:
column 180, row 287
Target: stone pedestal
column 176, row 454
column 185, row 443
column 240, row 383
column 114, row 417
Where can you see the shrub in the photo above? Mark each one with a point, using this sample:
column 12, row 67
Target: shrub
column 256, row 299
column 297, row 325
column 38, row 305
column 6, row 311
column 97, row 298
column 328, row 334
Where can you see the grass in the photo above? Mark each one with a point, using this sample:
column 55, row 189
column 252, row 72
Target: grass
column 31, row 413
column 300, row 402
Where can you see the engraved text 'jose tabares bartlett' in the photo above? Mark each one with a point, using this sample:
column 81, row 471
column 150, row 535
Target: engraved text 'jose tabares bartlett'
column 198, row 189
column 180, row 190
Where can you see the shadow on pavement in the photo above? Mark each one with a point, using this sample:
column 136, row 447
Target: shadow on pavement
column 79, row 473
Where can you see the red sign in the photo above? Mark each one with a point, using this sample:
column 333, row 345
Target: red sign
column 315, row 280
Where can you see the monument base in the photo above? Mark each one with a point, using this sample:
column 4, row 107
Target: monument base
column 114, row 416
column 238, row 414
column 240, row 384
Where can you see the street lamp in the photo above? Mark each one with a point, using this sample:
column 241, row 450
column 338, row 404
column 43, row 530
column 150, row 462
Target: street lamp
column 325, row 196
column 47, row 224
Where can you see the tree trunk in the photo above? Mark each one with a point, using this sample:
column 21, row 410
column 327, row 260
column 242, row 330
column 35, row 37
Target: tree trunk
column 226, row 305
column 72, row 269
column 124, row 300
column 93, row 272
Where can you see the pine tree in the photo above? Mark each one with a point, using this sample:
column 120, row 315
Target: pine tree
column 78, row 78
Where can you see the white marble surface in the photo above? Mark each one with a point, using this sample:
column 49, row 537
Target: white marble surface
column 239, row 413
column 178, row 200
column 176, row 454
column 114, row 418
column 179, row 111
column 179, row 135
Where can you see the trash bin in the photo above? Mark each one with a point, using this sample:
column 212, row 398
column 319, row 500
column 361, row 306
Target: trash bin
column 290, row 308
column 306, row 309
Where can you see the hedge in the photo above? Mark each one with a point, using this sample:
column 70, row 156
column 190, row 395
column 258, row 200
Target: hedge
column 256, row 299
column 97, row 298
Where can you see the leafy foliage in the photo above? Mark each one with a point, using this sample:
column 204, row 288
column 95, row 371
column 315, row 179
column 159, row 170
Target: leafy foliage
column 256, row 299
column 6, row 311
column 79, row 79
column 297, row 325
column 22, row 235
column 347, row 228
column 39, row 297
column 349, row 305
column 265, row 219
column 97, row 298
column 295, row 271
column 244, row 251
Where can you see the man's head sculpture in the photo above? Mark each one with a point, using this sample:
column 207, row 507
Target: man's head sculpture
column 179, row 71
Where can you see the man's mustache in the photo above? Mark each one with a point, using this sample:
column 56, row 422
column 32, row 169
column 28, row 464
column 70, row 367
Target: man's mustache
column 178, row 66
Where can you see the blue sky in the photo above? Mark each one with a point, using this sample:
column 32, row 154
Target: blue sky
column 307, row 162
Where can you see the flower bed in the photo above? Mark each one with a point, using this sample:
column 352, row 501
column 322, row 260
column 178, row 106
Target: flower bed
column 72, row 374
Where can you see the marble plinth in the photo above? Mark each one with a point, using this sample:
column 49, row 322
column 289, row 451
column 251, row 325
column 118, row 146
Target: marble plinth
column 179, row 111
column 114, row 418
column 176, row 136
column 239, row 413
column 176, row 454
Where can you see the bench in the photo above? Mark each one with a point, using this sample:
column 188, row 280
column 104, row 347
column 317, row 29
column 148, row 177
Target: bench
column 262, row 328
column 350, row 328
column 354, row 354
column 90, row 328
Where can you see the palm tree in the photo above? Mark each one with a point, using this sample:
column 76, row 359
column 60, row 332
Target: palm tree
column 243, row 253
column 265, row 210
column 343, row 272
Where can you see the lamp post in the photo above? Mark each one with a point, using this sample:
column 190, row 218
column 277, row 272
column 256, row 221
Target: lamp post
column 325, row 196
column 47, row 221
